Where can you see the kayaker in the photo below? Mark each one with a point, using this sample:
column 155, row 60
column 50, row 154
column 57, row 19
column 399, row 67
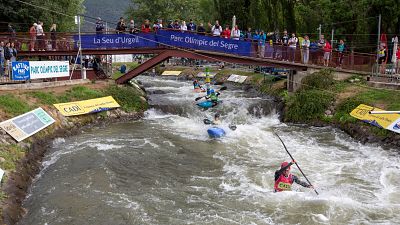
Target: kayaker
column 213, row 96
column 284, row 179
column 217, row 120
column 196, row 84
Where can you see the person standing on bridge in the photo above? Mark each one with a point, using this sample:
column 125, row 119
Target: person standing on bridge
column 99, row 26
column 216, row 30
column 191, row 26
column 235, row 33
column 341, row 48
column 305, row 48
column 53, row 37
column 40, row 36
column 32, row 37
column 284, row 44
column 327, row 53
column 292, row 47
column 121, row 26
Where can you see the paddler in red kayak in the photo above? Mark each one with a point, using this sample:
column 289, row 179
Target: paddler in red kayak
column 284, row 179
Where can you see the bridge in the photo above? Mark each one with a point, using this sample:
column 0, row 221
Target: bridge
column 165, row 44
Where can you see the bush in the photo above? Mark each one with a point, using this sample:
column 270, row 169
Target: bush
column 344, row 109
column 307, row 105
column 45, row 97
column 318, row 80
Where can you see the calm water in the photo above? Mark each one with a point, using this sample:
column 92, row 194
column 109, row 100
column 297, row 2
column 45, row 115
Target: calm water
column 165, row 170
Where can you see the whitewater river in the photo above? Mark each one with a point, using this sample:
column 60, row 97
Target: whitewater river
column 164, row 169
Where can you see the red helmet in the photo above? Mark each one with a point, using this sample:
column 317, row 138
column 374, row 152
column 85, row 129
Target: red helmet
column 284, row 164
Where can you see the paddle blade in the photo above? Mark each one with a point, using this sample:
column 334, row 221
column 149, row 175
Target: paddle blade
column 223, row 88
column 207, row 121
column 219, row 83
column 198, row 98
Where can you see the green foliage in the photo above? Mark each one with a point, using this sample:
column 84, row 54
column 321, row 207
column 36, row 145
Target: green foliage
column 24, row 15
column 320, row 80
column 128, row 97
column 344, row 109
column 44, row 97
column 13, row 105
column 308, row 105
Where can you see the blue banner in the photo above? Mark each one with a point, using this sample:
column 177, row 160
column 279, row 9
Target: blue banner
column 93, row 41
column 201, row 42
column 20, row 71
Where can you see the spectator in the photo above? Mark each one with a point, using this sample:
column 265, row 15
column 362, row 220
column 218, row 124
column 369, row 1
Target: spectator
column 261, row 44
column 183, row 26
column 216, row 30
column 327, row 53
column 132, row 28
column 53, row 37
column 176, row 25
column 235, row 33
column 226, row 33
column 200, row 29
column 305, row 49
column 382, row 59
column 292, row 47
column 277, row 46
column 11, row 31
column 341, row 48
column 7, row 56
column 249, row 35
column 398, row 59
column 157, row 26
column 40, row 36
column 32, row 37
column 321, row 44
column 284, row 43
column 121, row 26
column 314, row 52
column 209, row 28
column 191, row 26
column 160, row 24
column 2, row 59
column 146, row 27
column 170, row 25
column 99, row 26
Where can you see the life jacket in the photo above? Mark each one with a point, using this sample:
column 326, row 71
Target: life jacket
column 284, row 183
column 213, row 97
column 208, row 79
column 196, row 85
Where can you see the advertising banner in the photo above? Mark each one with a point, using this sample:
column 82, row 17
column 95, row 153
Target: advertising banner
column 87, row 106
column 201, row 42
column 171, row 73
column 237, row 78
column 39, row 69
column 386, row 121
column 93, row 41
column 210, row 74
column 26, row 125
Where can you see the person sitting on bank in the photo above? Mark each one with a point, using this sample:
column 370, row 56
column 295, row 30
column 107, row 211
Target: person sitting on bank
column 284, row 179
column 213, row 96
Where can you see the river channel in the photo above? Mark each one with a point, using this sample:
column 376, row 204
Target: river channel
column 164, row 169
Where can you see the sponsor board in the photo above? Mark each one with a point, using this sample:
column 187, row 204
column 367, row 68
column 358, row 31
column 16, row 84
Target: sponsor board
column 237, row 78
column 93, row 41
column 31, row 70
column 171, row 73
column 386, row 121
column 27, row 124
column 87, row 106
column 203, row 74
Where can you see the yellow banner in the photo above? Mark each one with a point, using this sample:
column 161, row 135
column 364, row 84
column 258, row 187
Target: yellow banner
column 379, row 120
column 87, row 106
column 171, row 73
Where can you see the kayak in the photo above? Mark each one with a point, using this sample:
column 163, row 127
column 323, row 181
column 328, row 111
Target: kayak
column 215, row 132
column 198, row 90
column 207, row 104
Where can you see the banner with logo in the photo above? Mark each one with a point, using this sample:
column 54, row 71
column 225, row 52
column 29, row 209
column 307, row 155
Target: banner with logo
column 87, row 106
column 93, row 41
column 39, row 69
column 237, row 78
column 171, row 73
column 27, row 124
column 386, row 121
column 202, row 42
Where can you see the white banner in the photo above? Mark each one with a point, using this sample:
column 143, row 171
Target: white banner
column 48, row 69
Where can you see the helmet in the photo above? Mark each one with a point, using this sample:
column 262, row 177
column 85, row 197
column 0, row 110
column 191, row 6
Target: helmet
column 217, row 115
column 284, row 164
column 196, row 80
column 212, row 91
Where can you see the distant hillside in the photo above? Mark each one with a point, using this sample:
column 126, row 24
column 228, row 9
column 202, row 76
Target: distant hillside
column 108, row 10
